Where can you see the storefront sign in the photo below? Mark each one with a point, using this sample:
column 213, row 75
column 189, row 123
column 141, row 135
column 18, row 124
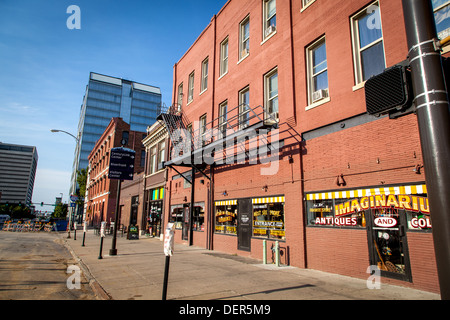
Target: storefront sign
column 349, row 208
column 385, row 222
column 407, row 202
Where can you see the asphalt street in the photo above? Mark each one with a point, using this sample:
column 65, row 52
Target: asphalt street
column 33, row 266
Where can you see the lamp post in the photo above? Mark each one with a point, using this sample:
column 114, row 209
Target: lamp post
column 77, row 141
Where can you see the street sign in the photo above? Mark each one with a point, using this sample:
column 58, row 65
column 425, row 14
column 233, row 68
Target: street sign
column 73, row 197
column 121, row 164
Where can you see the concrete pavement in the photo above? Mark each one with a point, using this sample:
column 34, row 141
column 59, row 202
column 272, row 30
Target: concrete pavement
column 136, row 273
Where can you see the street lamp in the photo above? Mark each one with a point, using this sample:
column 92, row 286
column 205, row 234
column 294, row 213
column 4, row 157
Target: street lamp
column 55, row 130
column 77, row 141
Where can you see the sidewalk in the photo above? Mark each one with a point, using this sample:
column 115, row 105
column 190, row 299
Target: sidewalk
column 137, row 272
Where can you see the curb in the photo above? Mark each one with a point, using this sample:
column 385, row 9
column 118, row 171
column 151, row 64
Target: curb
column 99, row 291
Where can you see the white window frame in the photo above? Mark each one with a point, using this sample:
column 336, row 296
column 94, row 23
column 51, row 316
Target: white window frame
column 180, row 95
column 443, row 33
column 223, row 121
column 205, row 67
column 356, row 48
column 202, row 129
column 224, row 57
column 306, row 4
column 268, row 31
column 244, row 50
column 267, row 98
column 244, row 108
column 310, row 72
column 191, row 87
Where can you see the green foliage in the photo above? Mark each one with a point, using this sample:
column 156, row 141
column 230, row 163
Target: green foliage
column 81, row 180
column 16, row 211
column 60, row 211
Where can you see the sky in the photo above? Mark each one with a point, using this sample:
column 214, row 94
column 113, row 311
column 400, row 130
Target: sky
column 45, row 66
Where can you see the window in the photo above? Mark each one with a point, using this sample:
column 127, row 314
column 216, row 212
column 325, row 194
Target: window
column 271, row 94
column 223, row 109
column 244, row 108
column 442, row 17
column 142, row 158
column 268, row 219
column 161, row 155
column 226, row 217
column 270, row 18
column 203, row 129
column 180, row 95
column 317, row 71
column 244, row 38
column 307, row 3
column 224, row 57
column 153, row 159
column 368, row 44
column 204, row 85
column 191, row 87
column 125, row 137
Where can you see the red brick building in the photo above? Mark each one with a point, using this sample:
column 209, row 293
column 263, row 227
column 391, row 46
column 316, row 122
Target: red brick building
column 345, row 190
column 101, row 191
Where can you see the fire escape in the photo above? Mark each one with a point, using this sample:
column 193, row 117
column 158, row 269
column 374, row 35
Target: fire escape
column 224, row 140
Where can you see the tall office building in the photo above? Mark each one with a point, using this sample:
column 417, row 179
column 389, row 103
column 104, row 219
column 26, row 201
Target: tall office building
column 108, row 97
column 17, row 173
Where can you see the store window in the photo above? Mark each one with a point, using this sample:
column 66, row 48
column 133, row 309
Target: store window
column 268, row 218
column 350, row 208
column 177, row 215
column 226, row 217
column 198, row 217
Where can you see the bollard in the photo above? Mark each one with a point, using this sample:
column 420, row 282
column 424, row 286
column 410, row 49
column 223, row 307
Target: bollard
column 264, row 251
column 102, row 235
column 101, row 248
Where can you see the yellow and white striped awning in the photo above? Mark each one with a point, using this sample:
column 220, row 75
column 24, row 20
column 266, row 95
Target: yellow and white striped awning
column 268, row 200
column 226, row 203
column 359, row 193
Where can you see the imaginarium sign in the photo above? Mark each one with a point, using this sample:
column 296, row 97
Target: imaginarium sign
column 348, row 208
column 406, row 202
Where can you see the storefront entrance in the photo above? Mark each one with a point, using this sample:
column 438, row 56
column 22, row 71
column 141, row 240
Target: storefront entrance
column 244, row 228
column 154, row 219
column 388, row 245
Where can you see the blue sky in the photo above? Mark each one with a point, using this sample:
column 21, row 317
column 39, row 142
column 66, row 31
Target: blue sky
column 44, row 67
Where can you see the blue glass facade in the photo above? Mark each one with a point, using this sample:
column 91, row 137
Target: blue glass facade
column 107, row 97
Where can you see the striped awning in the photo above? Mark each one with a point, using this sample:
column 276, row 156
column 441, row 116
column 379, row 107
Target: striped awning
column 359, row 193
column 226, row 203
column 268, row 200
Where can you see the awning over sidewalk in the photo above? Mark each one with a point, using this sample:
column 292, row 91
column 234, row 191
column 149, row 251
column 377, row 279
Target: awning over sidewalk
column 358, row 193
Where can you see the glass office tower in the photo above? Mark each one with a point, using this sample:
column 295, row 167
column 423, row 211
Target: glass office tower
column 107, row 97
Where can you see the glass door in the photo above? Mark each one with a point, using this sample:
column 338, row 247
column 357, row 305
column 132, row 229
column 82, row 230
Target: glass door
column 388, row 244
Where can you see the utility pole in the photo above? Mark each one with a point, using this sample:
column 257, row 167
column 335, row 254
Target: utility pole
column 432, row 109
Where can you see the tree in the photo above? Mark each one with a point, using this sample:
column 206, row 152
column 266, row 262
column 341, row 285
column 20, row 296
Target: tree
column 81, row 180
column 60, row 211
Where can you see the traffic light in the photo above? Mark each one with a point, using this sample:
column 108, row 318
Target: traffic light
column 42, row 204
column 390, row 92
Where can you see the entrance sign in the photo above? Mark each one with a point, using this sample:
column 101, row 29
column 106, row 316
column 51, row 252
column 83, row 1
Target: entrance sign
column 121, row 164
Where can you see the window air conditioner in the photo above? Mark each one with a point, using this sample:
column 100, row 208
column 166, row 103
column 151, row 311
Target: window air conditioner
column 270, row 30
column 319, row 95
